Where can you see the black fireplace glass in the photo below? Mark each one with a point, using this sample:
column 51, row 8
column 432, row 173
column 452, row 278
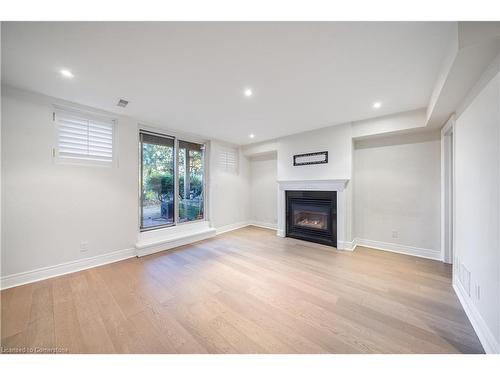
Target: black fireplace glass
column 308, row 216
column 312, row 216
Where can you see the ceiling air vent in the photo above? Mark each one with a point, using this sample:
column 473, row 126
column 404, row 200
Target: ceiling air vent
column 122, row 103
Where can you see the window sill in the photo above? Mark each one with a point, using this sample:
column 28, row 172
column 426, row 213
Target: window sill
column 167, row 238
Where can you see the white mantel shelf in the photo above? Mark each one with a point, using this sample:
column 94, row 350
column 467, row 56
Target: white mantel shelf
column 328, row 185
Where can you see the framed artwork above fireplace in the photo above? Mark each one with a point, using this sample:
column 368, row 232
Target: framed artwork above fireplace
column 311, row 158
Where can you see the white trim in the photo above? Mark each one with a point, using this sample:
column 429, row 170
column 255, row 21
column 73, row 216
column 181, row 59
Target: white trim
column 79, row 110
column 327, row 185
column 347, row 245
column 154, row 246
column 401, row 249
column 189, row 137
column 21, row 278
column 230, row 227
column 243, row 224
column 490, row 345
column 446, row 151
column 264, row 225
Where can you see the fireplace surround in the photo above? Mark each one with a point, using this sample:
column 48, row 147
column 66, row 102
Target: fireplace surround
column 312, row 216
column 339, row 186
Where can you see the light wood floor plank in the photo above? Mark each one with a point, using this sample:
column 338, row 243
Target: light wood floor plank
column 246, row 291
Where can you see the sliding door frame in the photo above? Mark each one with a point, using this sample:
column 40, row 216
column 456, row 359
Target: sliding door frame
column 175, row 137
column 141, row 181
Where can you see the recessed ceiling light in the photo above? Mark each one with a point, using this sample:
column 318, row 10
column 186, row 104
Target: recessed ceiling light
column 66, row 73
column 252, row 135
column 248, row 92
column 377, row 105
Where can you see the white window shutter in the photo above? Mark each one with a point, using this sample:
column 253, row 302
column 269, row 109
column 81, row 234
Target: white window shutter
column 228, row 160
column 81, row 137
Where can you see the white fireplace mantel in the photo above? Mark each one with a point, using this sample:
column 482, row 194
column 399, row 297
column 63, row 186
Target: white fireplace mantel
column 338, row 185
column 318, row 185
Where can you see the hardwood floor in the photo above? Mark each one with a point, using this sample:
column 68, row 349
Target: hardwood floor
column 246, row 291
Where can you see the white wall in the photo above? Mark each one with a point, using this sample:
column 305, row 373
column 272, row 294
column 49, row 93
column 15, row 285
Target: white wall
column 389, row 124
column 48, row 209
column 260, row 148
column 397, row 188
column 335, row 139
column 229, row 192
column 477, row 203
column 263, row 190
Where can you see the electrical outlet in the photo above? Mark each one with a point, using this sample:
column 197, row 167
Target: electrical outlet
column 84, row 246
column 395, row 234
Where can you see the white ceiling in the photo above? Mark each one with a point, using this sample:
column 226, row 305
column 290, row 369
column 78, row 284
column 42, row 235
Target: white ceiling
column 191, row 76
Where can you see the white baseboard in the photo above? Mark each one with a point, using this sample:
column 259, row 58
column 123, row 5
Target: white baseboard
column 262, row 224
column 490, row 345
column 230, row 227
column 346, row 245
column 401, row 249
column 64, row 268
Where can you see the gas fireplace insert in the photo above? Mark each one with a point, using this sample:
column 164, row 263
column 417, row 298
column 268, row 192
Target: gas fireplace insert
column 312, row 216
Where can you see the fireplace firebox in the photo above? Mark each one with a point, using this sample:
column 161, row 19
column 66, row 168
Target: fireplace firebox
column 312, row 216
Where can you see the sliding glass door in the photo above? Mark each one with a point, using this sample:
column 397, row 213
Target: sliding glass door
column 190, row 161
column 157, row 181
column 170, row 195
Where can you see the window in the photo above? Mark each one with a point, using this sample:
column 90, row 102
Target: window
column 170, row 195
column 228, row 160
column 84, row 138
